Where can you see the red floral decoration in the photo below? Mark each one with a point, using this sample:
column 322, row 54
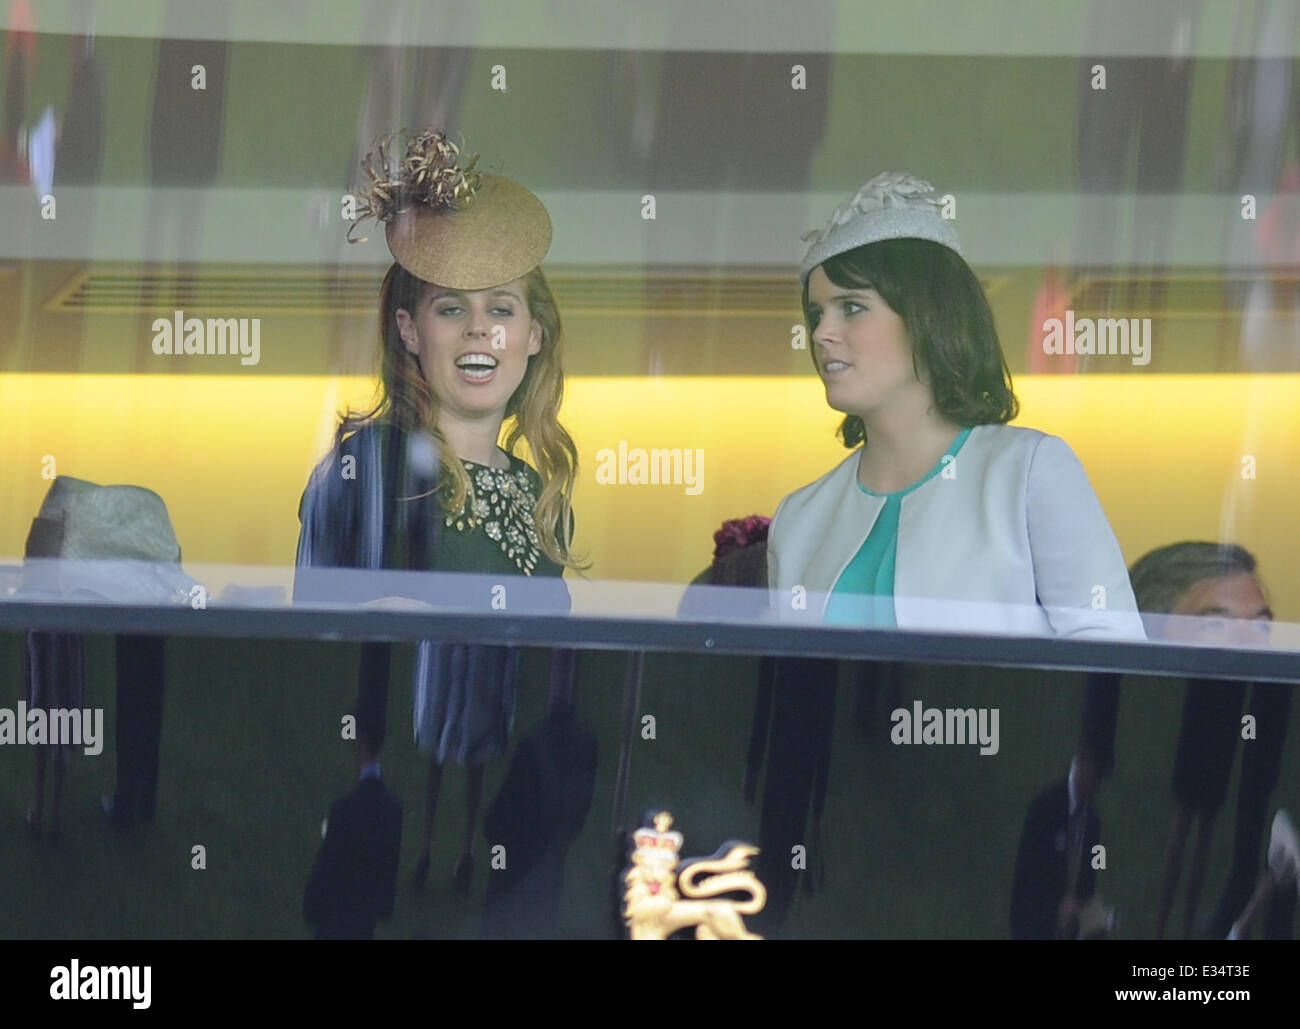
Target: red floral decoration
column 738, row 533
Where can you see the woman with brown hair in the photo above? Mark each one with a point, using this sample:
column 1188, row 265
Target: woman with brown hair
column 943, row 516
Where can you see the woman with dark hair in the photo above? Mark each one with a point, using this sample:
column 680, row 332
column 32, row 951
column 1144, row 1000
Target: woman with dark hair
column 943, row 516
column 469, row 340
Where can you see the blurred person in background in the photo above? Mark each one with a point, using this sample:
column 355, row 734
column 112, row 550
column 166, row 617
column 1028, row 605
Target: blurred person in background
column 1216, row 583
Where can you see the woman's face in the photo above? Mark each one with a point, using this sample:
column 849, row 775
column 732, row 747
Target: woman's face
column 861, row 347
column 473, row 346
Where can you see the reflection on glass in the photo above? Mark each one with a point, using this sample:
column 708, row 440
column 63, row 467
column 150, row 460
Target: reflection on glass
column 203, row 315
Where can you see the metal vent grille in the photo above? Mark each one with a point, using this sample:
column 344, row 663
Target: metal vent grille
column 240, row 291
column 288, row 291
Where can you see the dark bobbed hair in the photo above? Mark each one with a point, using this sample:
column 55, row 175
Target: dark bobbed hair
column 1160, row 577
column 948, row 321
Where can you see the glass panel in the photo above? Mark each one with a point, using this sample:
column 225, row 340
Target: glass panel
column 957, row 342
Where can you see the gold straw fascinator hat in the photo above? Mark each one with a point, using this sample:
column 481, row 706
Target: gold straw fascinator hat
column 447, row 223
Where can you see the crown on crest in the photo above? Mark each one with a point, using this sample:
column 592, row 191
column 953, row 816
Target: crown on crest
column 658, row 841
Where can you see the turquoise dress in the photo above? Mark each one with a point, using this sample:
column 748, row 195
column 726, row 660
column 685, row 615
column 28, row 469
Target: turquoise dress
column 864, row 593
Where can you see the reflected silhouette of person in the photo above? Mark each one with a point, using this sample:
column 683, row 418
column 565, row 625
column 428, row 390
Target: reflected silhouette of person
column 1039, row 889
column 794, row 722
column 354, row 880
column 141, row 682
column 1215, row 582
column 185, row 138
column 538, row 813
column 1261, row 766
column 794, row 716
column 54, row 678
column 1054, row 876
column 1260, row 116
column 1138, row 107
column 1274, row 899
column 766, row 145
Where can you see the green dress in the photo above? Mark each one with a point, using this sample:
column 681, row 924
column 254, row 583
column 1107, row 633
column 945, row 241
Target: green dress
column 493, row 533
column 464, row 695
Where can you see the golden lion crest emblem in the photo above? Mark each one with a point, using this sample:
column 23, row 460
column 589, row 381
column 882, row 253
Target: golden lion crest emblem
column 661, row 898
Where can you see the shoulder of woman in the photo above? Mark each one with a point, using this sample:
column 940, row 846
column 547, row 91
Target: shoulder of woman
column 836, row 478
column 1008, row 435
column 1056, row 471
column 330, row 473
column 1016, row 443
column 1045, row 447
column 1047, row 461
column 364, row 433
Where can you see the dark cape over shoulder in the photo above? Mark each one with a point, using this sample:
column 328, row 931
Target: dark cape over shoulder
column 351, row 518
column 349, row 510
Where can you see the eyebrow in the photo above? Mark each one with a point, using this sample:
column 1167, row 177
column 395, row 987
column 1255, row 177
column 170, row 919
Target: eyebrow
column 842, row 295
column 848, row 293
column 441, row 293
column 1206, row 612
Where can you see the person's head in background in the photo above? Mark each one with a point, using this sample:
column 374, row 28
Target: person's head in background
column 1215, row 582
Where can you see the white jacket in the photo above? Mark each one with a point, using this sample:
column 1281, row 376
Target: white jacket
column 1009, row 539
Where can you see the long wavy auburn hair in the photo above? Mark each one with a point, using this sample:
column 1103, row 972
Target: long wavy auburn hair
column 407, row 401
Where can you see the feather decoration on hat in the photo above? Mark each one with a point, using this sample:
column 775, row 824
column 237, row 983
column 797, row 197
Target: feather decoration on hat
column 887, row 190
column 429, row 173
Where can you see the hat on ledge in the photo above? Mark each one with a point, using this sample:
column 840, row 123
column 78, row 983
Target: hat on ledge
column 113, row 543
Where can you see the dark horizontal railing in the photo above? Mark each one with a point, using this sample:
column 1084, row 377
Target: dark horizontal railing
column 636, row 634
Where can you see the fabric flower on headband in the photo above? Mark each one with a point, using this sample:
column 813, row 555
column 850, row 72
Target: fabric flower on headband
column 893, row 205
column 888, row 189
column 429, row 173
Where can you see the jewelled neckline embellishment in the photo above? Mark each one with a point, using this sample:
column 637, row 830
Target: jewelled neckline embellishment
column 502, row 502
column 480, row 464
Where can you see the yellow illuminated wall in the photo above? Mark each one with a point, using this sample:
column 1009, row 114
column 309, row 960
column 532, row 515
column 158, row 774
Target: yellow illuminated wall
column 230, row 455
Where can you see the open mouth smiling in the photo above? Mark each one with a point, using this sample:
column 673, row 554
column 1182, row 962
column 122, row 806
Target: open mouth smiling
column 477, row 367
